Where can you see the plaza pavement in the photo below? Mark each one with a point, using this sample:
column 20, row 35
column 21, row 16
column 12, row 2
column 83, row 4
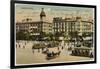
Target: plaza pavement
column 26, row 55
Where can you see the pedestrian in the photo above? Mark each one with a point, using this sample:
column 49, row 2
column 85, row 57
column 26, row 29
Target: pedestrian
column 58, row 48
column 59, row 53
column 25, row 43
column 62, row 47
column 47, row 50
column 19, row 45
column 33, row 51
column 53, row 53
column 42, row 49
column 38, row 50
column 91, row 55
column 23, row 46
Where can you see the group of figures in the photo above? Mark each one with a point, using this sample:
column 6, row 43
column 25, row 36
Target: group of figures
column 56, row 53
column 50, row 54
column 18, row 45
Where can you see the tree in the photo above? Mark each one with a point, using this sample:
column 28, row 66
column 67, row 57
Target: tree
column 20, row 35
column 42, row 35
column 73, row 35
column 57, row 35
column 50, row 36
column 86, row 34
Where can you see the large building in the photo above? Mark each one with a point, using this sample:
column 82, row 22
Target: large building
column 35, row 28
column 71, row 24
column 59, row 24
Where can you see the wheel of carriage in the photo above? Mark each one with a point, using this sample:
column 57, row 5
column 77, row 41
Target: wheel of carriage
column 49, row 54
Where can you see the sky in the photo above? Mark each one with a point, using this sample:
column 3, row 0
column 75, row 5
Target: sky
column 23, row 11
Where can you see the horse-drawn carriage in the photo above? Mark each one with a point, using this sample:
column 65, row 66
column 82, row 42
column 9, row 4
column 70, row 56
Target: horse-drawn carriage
column 51, row 55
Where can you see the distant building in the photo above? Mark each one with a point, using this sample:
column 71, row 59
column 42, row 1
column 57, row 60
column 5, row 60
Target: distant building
column 34, row 28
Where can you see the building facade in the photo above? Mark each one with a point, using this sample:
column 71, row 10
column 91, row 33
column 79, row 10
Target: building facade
column 59, row 24
column 72, row 24
column 35, row 28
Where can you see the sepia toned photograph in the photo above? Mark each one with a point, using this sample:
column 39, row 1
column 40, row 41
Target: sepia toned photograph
column 51, row 34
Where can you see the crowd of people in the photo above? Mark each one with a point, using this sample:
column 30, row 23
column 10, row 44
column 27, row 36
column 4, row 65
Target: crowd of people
column 18, row 45
column 56, row 52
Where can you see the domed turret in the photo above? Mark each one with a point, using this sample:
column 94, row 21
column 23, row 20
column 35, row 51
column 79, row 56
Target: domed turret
column 42, row 15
